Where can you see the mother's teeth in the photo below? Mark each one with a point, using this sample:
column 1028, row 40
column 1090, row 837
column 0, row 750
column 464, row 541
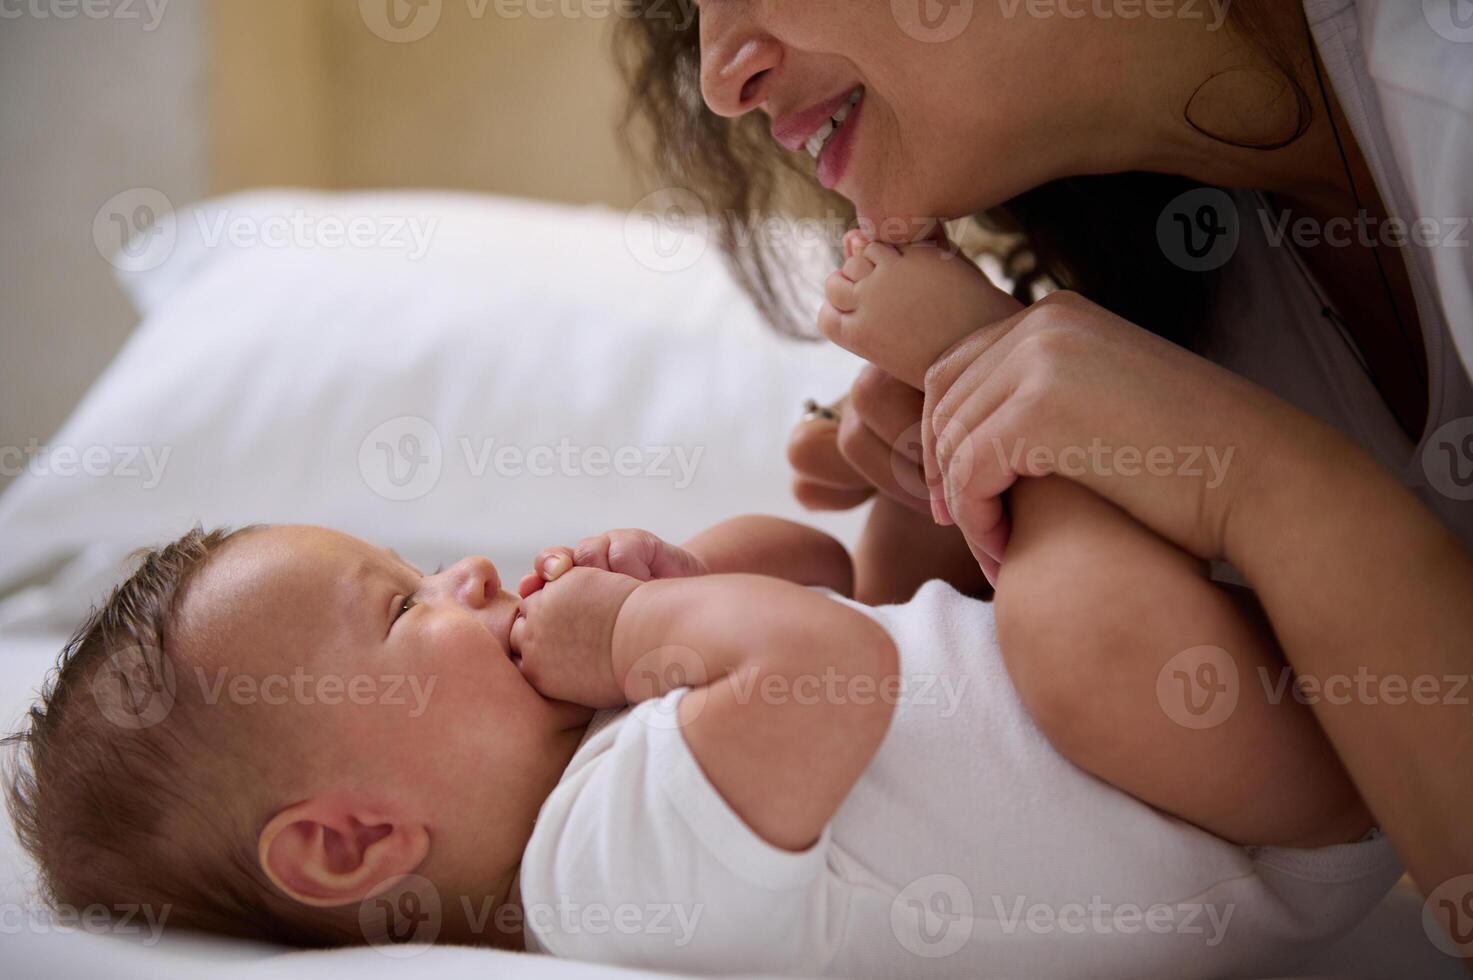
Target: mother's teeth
column 818, row 139
column 816, row 142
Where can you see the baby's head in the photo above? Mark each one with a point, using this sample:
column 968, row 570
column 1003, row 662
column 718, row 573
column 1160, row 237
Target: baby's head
column 261, row 729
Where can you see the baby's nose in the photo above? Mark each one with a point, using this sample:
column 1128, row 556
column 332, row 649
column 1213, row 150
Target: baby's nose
column 477, row 581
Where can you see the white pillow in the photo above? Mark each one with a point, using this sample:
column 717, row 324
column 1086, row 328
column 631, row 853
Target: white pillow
column 548, row 378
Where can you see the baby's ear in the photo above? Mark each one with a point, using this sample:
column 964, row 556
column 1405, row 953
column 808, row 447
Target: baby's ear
column 326, row 853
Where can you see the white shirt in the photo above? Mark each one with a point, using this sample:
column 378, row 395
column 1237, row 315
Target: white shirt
column 967, row 848
column 1407, row 92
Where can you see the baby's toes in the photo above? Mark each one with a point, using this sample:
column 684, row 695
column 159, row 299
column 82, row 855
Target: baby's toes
column 880, row 254
column 857, row 267
column 838, row 290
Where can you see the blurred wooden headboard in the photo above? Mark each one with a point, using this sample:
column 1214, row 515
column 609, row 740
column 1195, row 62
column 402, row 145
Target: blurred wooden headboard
column 310, row 92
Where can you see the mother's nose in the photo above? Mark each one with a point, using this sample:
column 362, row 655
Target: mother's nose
column 737, row 59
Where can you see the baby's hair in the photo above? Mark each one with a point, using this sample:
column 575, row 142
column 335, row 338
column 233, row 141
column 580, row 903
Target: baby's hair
column 119, row 783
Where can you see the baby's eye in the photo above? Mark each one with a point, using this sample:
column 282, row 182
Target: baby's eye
column 409, row 603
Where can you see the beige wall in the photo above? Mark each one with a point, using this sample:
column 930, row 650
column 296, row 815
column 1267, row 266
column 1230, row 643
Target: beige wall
column 305, row 92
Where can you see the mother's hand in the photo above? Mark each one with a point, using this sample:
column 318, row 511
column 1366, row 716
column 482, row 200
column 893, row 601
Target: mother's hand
column 1066, row 387
column 875, row 445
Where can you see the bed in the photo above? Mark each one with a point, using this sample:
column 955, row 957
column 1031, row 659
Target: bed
column 414, row 368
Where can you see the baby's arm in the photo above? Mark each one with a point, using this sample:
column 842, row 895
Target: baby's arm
column 758, row 545
column 1090, row 608
column 791, row 695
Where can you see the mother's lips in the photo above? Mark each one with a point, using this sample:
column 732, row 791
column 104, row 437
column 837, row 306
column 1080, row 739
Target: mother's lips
column 793, row 130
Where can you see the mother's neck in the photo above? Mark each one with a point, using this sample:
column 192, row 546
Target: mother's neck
column 1212, row 106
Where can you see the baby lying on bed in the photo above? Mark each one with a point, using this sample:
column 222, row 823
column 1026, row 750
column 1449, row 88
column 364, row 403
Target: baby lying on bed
column 288, row 733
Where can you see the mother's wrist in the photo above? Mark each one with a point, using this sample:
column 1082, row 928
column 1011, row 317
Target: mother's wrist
column 1306, row 494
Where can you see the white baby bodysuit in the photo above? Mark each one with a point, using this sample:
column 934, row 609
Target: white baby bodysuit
column 969, row 848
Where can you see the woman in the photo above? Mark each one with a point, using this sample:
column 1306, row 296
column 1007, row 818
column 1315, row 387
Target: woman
column 1095, row 134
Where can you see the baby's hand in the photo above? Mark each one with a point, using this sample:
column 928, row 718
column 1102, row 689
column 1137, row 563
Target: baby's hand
column 907, row 305
column 564, row 636
column 627, row 551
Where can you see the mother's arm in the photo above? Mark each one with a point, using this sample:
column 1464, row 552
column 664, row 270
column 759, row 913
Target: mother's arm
column 1356, row 576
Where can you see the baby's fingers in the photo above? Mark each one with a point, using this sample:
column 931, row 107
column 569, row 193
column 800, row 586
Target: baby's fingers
column 553, row 562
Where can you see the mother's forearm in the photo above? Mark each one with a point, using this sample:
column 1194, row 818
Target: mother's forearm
column 1372, row 601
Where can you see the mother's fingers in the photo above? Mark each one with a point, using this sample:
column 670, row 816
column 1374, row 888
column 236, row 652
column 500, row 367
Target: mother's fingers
column 816, row 496
column 813, row 452
column 895, row 474
column 890, row 408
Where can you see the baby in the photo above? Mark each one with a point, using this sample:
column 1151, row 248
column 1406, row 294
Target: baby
column 706, row 758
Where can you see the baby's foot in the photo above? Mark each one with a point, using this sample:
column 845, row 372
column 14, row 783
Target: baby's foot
column 907, row 305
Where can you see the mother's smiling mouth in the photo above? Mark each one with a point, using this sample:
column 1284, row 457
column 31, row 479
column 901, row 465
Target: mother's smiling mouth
column 826, row 131
column 797, row 130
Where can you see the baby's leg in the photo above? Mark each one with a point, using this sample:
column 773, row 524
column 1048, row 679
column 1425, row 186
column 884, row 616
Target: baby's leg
column 1124, row 652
